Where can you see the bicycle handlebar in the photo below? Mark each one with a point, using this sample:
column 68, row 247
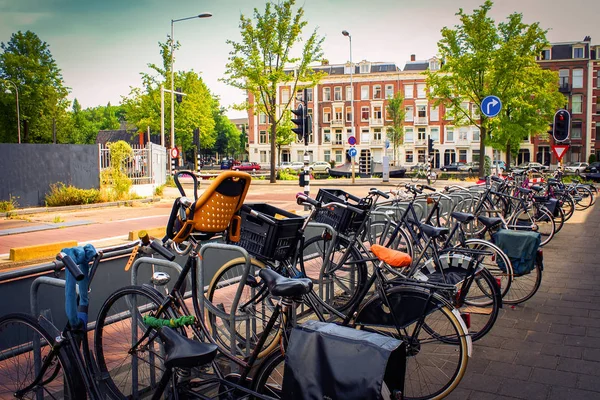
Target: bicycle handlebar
column 157, row 245
column 379, row 193
column 302, row 199
column 70, row 266
column 427, row 187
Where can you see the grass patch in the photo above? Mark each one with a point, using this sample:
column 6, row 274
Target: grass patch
column 9, row 205
column 159, row 190
column 62, row 195
column 286, row 176
column 58, row 219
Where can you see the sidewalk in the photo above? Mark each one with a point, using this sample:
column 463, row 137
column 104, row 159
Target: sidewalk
column 549, row 347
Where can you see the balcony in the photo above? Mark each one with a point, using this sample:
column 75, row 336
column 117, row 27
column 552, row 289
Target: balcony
column 338, row 142
column 337, row 122
column 463, row 142
column 564, row 87
column 376, row 122
column 420, row 142
column 377, row 142
column 420, row 120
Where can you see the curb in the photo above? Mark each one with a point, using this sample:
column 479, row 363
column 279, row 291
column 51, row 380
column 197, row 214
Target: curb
column 157, row 232
column 39, row 251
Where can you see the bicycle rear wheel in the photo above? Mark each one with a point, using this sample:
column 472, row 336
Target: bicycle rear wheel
column 24, row 345
column 524, row 286
column 491, row 263
column 268, row 380
column 540, row 220
column 128, row 354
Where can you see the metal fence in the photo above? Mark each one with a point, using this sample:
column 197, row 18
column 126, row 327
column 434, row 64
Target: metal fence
column 147, row 165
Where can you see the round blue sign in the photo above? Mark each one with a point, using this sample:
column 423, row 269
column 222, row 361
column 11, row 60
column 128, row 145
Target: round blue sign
column 352, row 152
column 352, row 140
column 491, row 106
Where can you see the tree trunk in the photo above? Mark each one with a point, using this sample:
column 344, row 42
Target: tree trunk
column 273, row 178
column 483, row 136
column 507, row 155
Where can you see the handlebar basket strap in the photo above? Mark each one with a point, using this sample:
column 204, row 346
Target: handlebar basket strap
column 214, row 210
column 82, row 256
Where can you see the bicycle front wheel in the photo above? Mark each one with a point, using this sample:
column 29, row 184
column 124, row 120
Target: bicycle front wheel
column 128, row 354
column 540, row 220
column 415, row 176
column 492, row 263
column 24, row 347
column 432, row 177
column 268, row 380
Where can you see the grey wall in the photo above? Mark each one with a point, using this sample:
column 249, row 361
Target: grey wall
column 28, row 170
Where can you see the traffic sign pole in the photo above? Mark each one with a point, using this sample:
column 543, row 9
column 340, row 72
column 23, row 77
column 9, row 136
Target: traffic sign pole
column 352, row 142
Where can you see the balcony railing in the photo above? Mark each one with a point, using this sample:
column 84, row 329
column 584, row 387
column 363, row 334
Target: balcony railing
column 420, row 142
column 338, row 142
column 420, row 120
column 564, row 87
column 377, row 142
column 376, row 121
column 337, row 122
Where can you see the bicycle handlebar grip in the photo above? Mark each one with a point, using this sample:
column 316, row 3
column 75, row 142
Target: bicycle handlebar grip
column 301, row 198
column 496, row 178
column 70, row 266
column 379, row 193
column 157, row 246
column 428, row 187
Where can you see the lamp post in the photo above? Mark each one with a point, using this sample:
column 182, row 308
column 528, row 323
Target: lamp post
column 347, row 34
column 18, row 113
column 202, row 15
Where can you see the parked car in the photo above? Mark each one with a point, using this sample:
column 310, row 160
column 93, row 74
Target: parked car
column 501, row 165
column 529, row 165
column 284, row 165
column 320, row 167
column 247, row 166
column 593, row 167
column 576, row 167
column 452, row 166
column 469, row 167
column 226, row 164
column 295, row 167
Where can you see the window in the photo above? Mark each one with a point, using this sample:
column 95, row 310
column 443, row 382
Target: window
column 421, row 91
column 326, row 114
column 348, row 93
column 421, row 156
column 578, row 52
column 545, row 54
column 364, row 113
column 463, row 135
column 408, row 91
column 389, row 91
column 462, row 155
column 563, row 78
column 327, row 155
column 597, row 130
column 598, row 77
column 262, row 118
column 408, row 135
column 409, row 157
column 434, row 65
column 377, row 92
column 449, row 134
column 378, row 112
column 338, row 137
column 576, row 130
column 262, row 137
column 465, row 107
column 476, row 135
column 309, row 94
column 348, row 69
column 338, row 157
column 364, row 93
column 475, row 109
column 576, row 103
column 449, row 115
column 577, row 78
column 299, row 155
column 285, row 95
column 338, row 114
column 365, row 136
column 299, row 95
column 435, row 134
column 449, row 156
column 475, row 156
column 434, row 114
column 422, row 112
column 409, row 113
column 263, row 156
column 348, row 114
column 421, row 134
column 337, row 93
column 326, row 94
column 326, row 135
column 365, row 68
column 377, row 134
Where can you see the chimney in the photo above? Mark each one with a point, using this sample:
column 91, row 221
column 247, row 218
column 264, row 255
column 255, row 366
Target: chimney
column 587, row 39
column 324, row 61
column 412, row 57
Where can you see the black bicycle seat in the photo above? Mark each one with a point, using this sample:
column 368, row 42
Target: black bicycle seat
column 182, row 352
column 489, row 222
column 285, row 287
column 432, row 231
column 537, row 188
column 524, row 190
column 462, row 217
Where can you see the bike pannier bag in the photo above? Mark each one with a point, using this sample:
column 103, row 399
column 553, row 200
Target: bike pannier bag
column 328, row 361
column 520, row 247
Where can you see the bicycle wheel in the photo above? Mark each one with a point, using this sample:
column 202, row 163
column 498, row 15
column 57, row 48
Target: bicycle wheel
column 567, row 204
column 253, row 312
column 415, row 176
column 339, row 278
column 432, row 177
column 132, row 369
column 585, row 198
column 268, row 380
column 523, row 287
column 482, row 303
column 559, row 219
column 24, row 345
column 490, row 263
column 438, row 346
column 380, row 233
column 540, row 220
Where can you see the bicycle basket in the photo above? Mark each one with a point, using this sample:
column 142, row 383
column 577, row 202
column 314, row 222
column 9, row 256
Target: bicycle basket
column 274, row 239
column 341, row 219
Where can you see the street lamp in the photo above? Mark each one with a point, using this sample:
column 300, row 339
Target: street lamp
column 202, row 15
column 18, row 113
column 347, row 34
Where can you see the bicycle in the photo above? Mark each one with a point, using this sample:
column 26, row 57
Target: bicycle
column 422, row 173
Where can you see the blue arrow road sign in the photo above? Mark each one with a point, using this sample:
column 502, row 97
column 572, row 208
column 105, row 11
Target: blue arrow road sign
column 352, row 152
column 387, row 144
column 491, row 106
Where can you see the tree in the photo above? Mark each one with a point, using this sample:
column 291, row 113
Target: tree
column 227, row 135
column 285, row 136
column 258, row 63
column 480, row 58
column 27, row 61
column 396, row 112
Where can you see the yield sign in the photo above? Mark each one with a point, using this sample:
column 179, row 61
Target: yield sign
column 560, row 150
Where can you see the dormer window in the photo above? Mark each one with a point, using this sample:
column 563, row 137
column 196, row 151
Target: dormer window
column 578, row 51
column 365, row 68
column 545, row 54
column 434, row 64
column 348, row 69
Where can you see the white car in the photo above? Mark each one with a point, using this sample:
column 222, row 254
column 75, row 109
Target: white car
column 294, row 167
column 576, row 167
column 320, row 166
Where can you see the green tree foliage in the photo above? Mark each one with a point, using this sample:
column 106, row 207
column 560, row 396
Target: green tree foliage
column 27, row 61
column 142, row 106
column 227, row 135
column 285, row 136
column 396, row 112
column 257, row 64
column 482, row 58
column 87, row 123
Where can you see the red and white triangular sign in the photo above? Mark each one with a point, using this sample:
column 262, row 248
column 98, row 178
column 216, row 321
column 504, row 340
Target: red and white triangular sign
column 560, row 150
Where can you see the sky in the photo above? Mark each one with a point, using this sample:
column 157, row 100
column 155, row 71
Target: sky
column 102, row 46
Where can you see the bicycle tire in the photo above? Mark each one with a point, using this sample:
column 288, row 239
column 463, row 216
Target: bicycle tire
column 559, row 219
column 483, row 302
column 524, row 287
column 491, row 262
column 345, row 281
column 117, row 361
column 380, row 232
column 268, row 379
column 415, row 177
column 540, row 218
column 220, row 293
column 586, row 198
column 567, row 204
column 19, row 334
column 432, row 177
column 449, row 338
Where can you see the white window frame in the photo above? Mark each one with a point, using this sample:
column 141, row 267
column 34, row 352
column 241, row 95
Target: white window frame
column 409, row 91
column 349, row 93
column 578, row 110
column 476, row 135
column 326, row 131
column 434, row 132
column 449, row 134
column 262, row 118
column 337, row 93
column 422, row 109
column 377, row 109
column 349, row 115
column 421, row 133
column 338, row 113
column 575, row 124
column 326, row 115
column 421, row 90
column 365, row 135
column 364, row 92
column 362, row 110
column 409, row 134
column 309, row 94
column 377, row 134
column 577, row 80
column 326, row 94
column 389, row 91
column 409, row 153
column 327, row 155
column 377, row 88
column 365, row 68
column 339, row 157
column 262, row 133
column 434, row 113
column 549, row 50
column 409, row 115
column 582, row 51
column 285, row 95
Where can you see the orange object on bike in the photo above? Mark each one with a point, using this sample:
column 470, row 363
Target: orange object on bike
column 394, row 258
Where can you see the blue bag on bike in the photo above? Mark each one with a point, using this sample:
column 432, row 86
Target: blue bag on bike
column 328, row 361
column 521, row 248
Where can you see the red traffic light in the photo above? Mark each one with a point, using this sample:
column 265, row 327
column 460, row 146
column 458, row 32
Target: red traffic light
column 561, row 117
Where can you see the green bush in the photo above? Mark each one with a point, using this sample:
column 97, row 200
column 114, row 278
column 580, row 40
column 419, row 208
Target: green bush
column 9, row 205
column 159, row 190
column 286, row 176
column 62, row 195
column 170, row 181
column 592, row 158
column 487, row 166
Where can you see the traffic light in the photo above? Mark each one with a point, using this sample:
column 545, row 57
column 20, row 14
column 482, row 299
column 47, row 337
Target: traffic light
column 561, row 126
column 197, row 137
column 430, row 146
column 178, row 96
column 300, row 121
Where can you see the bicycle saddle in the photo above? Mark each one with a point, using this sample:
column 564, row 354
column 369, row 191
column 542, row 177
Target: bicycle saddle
column 465, row 218
column 393, row 258
column 432, row 231
column 537, row 188
column 524, row 190
column 285, row 287
column 181, row 352
column 489, row 222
